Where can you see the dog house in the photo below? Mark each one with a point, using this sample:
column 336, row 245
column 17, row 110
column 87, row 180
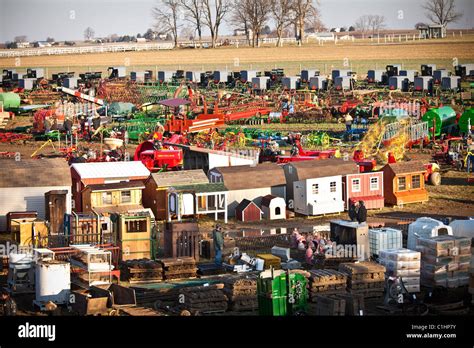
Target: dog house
column 273, row 207
column 248, row 211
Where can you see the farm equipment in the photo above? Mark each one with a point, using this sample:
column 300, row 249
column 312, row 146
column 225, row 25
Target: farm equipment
column 452, row 152
column 299, row 154
column 440, row 121
column 432, row 174
column 157, row 159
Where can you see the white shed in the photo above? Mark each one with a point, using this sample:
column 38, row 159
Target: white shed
column 23, row 185
column 273, row 207
column 318, row 196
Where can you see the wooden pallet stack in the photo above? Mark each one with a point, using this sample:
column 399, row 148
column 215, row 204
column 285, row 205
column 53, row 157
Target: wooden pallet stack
column 203, row 299
column 141, row 271
column 328, row 305
column 328, row 281
column 366, row 278
column 242, row 293
column 445, row 261
column 270, row 261
column 177, row 268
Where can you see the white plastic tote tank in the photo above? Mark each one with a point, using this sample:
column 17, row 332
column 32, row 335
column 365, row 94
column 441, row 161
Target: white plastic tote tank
column 463, row 228
column 53, row 281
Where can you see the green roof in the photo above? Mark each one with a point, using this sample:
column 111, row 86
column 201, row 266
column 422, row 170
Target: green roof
column 210, row 187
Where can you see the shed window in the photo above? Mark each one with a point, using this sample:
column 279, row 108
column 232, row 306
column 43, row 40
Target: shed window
column 415, row 181
column 402, row 183
column 315, row 188
column 126, row 196
column 332, row 186
column 106, row 197
column 355, row 185
column 135, row 226
column 374, row 183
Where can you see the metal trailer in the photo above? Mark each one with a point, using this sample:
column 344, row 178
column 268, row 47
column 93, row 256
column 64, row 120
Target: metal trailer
column 343, row 83
column 427, row 69
column 291, row 82
column 393, row 69
column 220, row 76
column 423, row 83
column 26, row 84
column 165, row 76
column 337, row 73
column 410, row 74
column 439, row 74
column 413, row 131
column 375, row 76
column 318, row 83
column 71, row 82
column 464, row 70
column 306, row 75
column 398, row 82
column 451, row 83
column 261, row 83
column 247, row 75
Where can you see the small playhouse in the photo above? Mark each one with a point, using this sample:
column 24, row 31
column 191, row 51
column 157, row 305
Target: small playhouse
column 248, row 211
column 273, row 207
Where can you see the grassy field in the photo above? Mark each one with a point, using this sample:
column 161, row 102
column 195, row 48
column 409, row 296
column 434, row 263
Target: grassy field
column 359, row 56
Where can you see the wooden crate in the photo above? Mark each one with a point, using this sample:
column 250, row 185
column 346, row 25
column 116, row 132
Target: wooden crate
column 328, row 305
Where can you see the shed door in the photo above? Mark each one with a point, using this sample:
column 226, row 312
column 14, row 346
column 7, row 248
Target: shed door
column 187, row 207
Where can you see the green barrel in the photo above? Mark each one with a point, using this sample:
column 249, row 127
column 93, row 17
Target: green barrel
column 466, row 120
column 282, row 294
column 443, row 119
column 10, row 100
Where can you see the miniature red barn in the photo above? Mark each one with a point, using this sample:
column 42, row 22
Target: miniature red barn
column 367, row 187
column 248, row 211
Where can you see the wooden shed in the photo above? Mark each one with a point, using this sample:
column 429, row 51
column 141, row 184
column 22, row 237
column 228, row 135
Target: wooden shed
column 273, row 207
column 404, row 183
column 367, row 187
column 250, row 182
column 23, row 185
column 248, row 211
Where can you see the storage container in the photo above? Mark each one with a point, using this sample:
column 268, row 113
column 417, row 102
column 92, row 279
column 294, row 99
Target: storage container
column 425, row 227
column 53, row 282
column 400, row 254
column 384, row 238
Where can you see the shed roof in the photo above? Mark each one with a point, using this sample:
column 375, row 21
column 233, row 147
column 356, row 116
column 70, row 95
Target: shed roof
column 34, row 172
column 322, row 168
column 244, row 204
column 266, row 200
column 201, row 188
column 179, row 178
column 406, row 167
column 250, row 177
column 97, row 170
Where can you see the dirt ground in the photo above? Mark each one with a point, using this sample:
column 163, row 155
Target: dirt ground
column 360, row 55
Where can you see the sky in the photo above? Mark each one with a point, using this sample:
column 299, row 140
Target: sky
column 67, row 19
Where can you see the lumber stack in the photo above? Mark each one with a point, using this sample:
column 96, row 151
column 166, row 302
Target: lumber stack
column 445, row 261
column 367, row 278
column 177, row 268
column 141, row 271
column 326, row 281
column 203, row 299
column 270, row 261
column 241, row 292
column 403, row 263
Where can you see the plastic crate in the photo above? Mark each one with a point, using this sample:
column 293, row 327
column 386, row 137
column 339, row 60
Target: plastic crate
column 384, row 238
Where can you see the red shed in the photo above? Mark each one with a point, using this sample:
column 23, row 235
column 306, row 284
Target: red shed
column 367, row 187
column 248, row 211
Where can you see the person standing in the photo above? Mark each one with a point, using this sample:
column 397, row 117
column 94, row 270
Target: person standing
column 362, row 213
column 352, row 210
column 470, row 154
column 218, row 238
column 348, row 121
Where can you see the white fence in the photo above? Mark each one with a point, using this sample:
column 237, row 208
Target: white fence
column 86, row 49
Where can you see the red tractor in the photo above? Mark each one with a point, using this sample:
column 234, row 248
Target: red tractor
column 157, row 159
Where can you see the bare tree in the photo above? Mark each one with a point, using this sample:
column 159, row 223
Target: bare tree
column 193, row 13
column 166, row 14
column 362, row 23
column 89, row 33
column 20, row 38
column 303, row 9
column 441, row 12
column 281, row 14
column 376, row 22
column 214, row 12
column 239, row 18
column 188, row 33
column 257, row 13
